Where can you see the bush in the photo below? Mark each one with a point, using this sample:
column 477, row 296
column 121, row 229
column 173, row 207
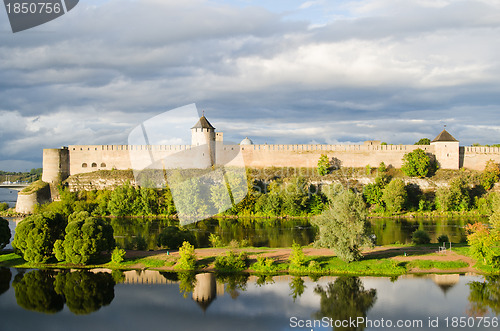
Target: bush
column 420, row 237
column 118, row 255
column 4, row 233
column 36, row 235
column 215, row 241
column 172, row 237
column 4, row 206
column 395, row 196
column 297, row 257
column 416, row 163
column 231, row 262
column 86, row 237
column 443, row 239
column 264, row 265
column 483, row 244
column 187, row 260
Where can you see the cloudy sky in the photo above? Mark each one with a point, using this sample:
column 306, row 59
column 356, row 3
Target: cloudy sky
column 281, row 71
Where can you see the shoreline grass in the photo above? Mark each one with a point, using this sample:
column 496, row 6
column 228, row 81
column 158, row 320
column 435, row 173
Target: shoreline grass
column 373, row 264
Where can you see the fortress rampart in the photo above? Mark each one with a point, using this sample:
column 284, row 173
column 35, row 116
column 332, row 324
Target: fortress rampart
column 208, row 149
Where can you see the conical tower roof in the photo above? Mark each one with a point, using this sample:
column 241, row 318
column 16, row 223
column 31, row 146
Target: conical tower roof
column 203, row 123
column 444, row 136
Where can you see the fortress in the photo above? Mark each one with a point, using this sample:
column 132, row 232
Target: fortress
column 207, row 149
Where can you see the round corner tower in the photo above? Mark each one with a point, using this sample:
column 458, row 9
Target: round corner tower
column 203, row 137
column 55, row 165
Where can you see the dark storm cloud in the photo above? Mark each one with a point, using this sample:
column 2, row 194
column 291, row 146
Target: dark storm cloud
column 380, row 69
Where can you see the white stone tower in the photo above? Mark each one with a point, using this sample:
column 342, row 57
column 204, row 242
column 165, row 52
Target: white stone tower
column 203, row 141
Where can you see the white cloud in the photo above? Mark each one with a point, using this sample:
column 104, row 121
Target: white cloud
column 102, row 69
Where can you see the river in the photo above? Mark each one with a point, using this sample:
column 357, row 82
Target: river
column 148, row 300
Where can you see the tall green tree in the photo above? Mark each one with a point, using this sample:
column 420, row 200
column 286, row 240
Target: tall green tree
column 123, row 201
column 416, row 163
column 294, row 196
column 36, row 235
column 490, row 175
column 323, row 165
column 395, row 196
column 455, row 197
column 343, row 227
column 86, row 237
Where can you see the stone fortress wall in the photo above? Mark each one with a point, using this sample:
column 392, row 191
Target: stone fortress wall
column 208, row 149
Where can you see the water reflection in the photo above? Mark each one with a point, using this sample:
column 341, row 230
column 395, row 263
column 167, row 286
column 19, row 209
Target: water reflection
column 485, row 296
column 47, row 291
column 35, row 291
column 343, row 299
column 297, row 287
column 399, row 231
column 146, row 234
column 227, row 302
column 5, row 277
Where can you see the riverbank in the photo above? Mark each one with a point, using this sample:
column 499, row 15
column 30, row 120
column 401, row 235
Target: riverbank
column 381, row 261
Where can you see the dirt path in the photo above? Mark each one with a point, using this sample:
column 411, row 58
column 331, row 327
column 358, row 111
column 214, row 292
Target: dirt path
column 282, row 254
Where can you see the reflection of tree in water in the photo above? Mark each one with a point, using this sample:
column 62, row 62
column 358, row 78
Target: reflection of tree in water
column 297, row 287
column 187, row 282
column 345, row 298
column 233, row 283
column 484, row 296
column 264, row 279
column 85, row 292
column 35, row 291
column 5, row 277
column 46, row 291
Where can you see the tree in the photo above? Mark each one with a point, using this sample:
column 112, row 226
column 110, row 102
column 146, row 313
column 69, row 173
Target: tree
column 123, row 201
column 395, row 196
column 35, row 236
column 423, row 141
column 416, row 163
column 294, row 196
column 373, row 192
column 490, row 175
column 86, row 237
column 323, row 165
column 455, row 197
column 4, row 233
column 483, row 244
column 343, row 227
